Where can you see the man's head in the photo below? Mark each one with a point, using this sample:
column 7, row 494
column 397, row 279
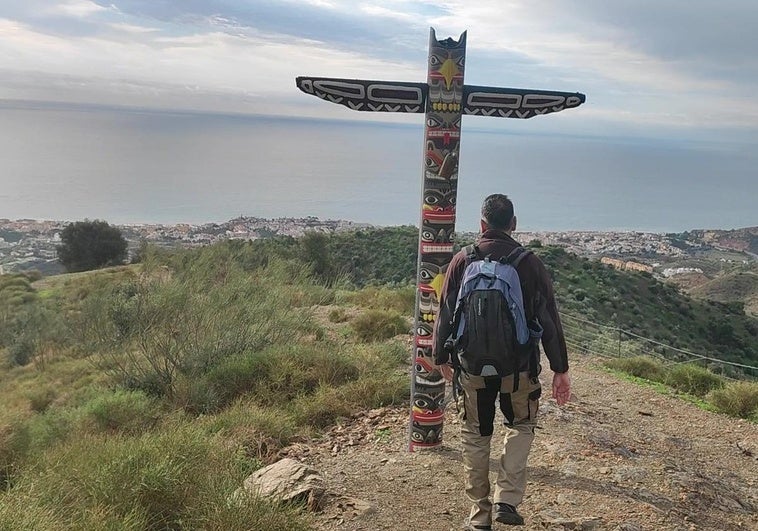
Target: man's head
column 497, row 213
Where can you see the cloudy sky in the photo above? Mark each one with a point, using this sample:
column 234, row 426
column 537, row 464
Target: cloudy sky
column 676, row 68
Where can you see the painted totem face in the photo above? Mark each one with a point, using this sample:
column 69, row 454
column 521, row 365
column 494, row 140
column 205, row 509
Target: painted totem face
column 446, row 77
column 439, row 205
column 436, row 237
column 426, row 374
column 426, row 435
column 428, row 402
column 428, row 306
column 424, row 334
column 438, row 145
column 431, row 275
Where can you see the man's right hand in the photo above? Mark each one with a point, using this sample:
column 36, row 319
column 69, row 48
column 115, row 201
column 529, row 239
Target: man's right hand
column 447, row 371
column 561, row 387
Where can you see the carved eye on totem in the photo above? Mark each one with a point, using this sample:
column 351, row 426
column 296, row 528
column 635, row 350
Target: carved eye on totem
column 428, row 272
column 457, row 124
column 431, row 200
column 431, row 164
column 423, row 332
column 417, row 437
column 434, row 60
column 424, row 402
column 452, row 200
column 427, row 235
column 433, row 121
column 461, row 61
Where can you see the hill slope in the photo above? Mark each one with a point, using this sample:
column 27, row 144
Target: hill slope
column 618, row 456
column 741, row 286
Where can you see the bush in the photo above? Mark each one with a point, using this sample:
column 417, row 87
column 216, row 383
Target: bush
column 639, row 366
column 128, row 411
column 338, row 315
column 737, row 399
column 14, row 444
column 40, row 399
column 90, row 245
column 377, row 325
column 401, row 300
column 168, row 329
column 692, row 379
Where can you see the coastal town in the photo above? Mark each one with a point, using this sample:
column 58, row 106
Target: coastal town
column 31, row 244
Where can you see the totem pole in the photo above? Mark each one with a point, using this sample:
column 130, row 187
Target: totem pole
column 444, row 99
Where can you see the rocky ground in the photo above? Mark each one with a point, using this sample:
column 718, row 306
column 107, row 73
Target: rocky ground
column 617, row 457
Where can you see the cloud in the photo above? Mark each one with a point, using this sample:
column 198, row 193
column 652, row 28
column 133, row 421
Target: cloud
column 77, row 8
column 640, row 63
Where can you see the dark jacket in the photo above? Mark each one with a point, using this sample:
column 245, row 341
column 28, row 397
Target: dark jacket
column 535, row 284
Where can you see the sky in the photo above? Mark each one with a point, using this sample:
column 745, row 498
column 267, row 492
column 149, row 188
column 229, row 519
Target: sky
column 680, row 68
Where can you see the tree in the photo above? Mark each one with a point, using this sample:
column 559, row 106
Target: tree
column 90, row 245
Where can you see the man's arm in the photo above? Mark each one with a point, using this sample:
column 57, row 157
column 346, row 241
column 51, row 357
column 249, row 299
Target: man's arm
column 553, row 340
column 442, row 322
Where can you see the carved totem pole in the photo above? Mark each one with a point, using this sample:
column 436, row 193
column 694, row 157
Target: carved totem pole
column 444, row 99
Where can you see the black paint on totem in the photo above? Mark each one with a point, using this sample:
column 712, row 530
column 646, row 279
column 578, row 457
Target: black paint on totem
column 444, row 99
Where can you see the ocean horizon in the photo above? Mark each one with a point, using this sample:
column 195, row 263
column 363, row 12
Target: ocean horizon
column 132, row 166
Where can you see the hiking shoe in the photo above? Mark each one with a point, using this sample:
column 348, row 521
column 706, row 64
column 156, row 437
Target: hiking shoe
column 505, row 513
column 468, row 526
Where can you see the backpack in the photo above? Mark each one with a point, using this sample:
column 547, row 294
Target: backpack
column 490, row 330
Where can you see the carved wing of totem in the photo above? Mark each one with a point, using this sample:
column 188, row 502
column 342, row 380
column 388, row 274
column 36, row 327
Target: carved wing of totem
column 366, row 95
column 516, row 103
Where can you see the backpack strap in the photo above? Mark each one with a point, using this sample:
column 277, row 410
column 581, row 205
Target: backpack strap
column 472, row 253
column 515, row 256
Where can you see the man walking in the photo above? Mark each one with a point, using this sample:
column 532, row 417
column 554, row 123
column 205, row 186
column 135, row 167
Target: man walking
column 518, row 392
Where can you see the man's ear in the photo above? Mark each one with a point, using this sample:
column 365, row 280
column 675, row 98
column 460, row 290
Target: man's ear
column 513, row 223
column 482, row 225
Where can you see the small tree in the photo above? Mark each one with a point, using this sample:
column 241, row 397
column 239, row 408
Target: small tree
column 90, row 245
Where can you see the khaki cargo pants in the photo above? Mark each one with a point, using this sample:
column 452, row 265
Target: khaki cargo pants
column 477, row 412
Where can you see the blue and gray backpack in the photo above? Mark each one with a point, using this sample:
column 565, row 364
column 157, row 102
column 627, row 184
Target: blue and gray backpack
column 491, row 334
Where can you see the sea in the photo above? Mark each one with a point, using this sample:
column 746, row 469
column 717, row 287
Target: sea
column 146, row 166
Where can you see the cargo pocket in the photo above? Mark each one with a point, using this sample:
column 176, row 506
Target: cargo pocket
column 522, row 405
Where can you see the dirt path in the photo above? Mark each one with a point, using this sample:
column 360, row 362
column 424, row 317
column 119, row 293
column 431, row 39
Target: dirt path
column 618, row 457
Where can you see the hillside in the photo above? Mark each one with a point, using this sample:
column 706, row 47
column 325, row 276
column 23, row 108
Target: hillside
column 140, row 397
column 634, row 301
column 735, row 286
column 617, row 457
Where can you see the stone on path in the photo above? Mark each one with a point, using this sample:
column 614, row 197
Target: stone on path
column 288, row 480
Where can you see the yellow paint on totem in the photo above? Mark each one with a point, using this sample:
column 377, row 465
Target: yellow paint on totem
column 427, row 317
column 449, row 70
column 437, row 283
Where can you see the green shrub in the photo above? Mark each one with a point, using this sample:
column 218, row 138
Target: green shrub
column 14, row 445
column 127, row 411
column 377, row 325
column 401, row 300
column 338, row 315
column 40, row 399
column 692, row 379
column 323, row 407
column 21, row 351
column 182, row 326
column 639, row 366
column 737, row 399
column 262, row 431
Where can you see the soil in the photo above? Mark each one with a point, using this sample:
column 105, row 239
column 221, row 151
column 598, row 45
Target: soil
column 618, row 456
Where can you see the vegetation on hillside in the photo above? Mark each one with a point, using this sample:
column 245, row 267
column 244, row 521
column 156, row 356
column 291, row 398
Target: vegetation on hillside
column 633, row 301
column 140, row 397
column 734, row 398
column 166, row 383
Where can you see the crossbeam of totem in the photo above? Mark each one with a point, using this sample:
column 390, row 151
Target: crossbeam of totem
column 444, row 99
